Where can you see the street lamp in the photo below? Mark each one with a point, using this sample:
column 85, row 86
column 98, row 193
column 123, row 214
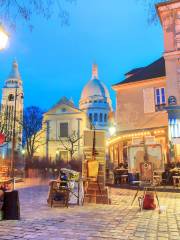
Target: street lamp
column 24, row 165
column 3, row 38
column 23, row 151
column 112, row 130
column 14, row 98
column 79, row 119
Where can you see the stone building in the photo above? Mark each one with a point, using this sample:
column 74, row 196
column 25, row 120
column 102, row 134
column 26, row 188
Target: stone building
column 169, row 14
column 148, row 100
column 12, row 94
column 95, row 101
column 60, row 122
column 140, row 111
column 65, row 118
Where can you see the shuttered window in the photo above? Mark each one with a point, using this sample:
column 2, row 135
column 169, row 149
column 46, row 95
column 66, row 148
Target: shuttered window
column 160, row 96
column 63, row 129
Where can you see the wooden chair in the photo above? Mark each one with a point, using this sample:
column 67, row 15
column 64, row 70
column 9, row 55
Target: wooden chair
column 59, row 194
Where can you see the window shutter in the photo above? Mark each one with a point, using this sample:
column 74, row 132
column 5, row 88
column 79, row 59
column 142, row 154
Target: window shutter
column 149, row 104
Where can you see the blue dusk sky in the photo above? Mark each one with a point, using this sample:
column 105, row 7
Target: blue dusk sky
column 56, row 61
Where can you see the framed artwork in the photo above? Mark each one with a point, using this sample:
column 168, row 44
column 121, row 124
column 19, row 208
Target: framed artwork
column 154, row 152
column 146, row 171
column 136, row 155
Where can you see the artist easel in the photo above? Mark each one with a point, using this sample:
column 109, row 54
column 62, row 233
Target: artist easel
column 145, row 183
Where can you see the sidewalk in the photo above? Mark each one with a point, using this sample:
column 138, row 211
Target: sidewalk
column 119, row 220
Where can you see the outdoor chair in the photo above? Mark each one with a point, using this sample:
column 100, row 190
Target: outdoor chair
column 59, row 194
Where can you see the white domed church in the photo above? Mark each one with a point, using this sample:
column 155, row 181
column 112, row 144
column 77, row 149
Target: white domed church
column 64, row 119
column 95, row 101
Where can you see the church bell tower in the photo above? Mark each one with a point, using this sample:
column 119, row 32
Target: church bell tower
column 12, row 108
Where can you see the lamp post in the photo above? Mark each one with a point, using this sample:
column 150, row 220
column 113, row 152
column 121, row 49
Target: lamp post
column 24, row 164
column 79, row 119
column 14, row 132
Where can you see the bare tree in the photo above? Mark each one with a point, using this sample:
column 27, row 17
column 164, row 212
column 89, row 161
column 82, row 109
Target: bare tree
column 150, row 7
column 70, row 143
column 6, row 120
column 32, row 130
column 13, row 10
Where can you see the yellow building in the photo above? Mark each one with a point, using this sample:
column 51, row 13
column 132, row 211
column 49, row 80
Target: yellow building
column 60, row 122
column 140, row 111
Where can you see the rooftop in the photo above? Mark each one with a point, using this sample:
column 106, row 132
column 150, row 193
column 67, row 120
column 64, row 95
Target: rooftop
column 154, row 70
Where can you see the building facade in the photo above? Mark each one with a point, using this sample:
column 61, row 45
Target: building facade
column 169, row 14
column 62, row 121
column 95, row 101
column 12, row 109
column 65, row 119
column 140, row 111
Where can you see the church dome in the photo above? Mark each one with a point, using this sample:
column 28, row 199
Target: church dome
column 95, row 101
column 95, row 87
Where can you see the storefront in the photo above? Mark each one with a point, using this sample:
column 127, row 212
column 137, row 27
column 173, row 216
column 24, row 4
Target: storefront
column 118, row 145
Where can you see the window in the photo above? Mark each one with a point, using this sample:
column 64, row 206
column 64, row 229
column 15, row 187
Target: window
column 101, row 117
column 95, row 117
column 63, row 129
column 11, row 97
column 160, row 96
column 105, row 117
column 90, row 117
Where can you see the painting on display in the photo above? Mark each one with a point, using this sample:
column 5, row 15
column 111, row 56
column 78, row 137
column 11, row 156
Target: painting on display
column 135, row 157
column 155, row 156
column 146, row 171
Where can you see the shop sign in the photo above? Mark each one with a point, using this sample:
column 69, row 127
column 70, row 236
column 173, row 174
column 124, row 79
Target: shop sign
column 172, row 100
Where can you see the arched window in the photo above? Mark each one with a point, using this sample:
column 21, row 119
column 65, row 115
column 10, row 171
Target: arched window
column 95, row 117
column 90, row 117
column 101, row 117
column 105, row 117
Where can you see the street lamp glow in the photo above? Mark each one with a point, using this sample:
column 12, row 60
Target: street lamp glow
column 112, row 130
column 3, row 38
column 23, row 151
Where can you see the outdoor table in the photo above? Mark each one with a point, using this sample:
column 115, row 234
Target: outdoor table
column 118, row 172
column 76, row 192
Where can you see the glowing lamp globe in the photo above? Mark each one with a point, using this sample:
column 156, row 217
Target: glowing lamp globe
column 112, row 130
column 23, row 151
column 2, row 138
column 3, row 38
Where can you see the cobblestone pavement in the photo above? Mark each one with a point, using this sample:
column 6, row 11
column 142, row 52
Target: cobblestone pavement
column 116, row 221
